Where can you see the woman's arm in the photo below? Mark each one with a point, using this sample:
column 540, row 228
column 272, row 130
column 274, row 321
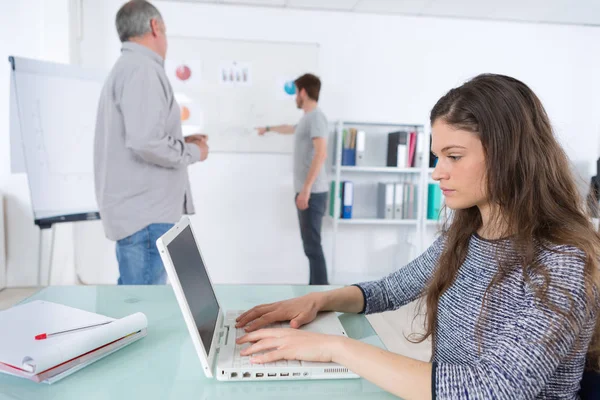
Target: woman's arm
column 302, row 310
column 404, row 285
column 389, row 293
column 402, row 376
column 346, row 300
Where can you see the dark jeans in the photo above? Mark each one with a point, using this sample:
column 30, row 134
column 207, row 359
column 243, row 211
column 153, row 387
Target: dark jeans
column 311, row 220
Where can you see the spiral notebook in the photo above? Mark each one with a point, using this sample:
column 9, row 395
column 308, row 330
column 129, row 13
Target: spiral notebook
column 58, row 356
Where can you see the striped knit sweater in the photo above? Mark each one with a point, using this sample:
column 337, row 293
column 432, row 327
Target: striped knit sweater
column 514, row 362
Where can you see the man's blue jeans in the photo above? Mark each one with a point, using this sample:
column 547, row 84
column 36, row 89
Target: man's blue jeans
column 139, row 261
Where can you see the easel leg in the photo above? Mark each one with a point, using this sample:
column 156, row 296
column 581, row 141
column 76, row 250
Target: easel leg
column 41, row 257
column 50, row 261
column 40, row 249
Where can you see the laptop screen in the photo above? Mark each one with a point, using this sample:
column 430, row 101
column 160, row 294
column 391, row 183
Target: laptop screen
column 196, row 286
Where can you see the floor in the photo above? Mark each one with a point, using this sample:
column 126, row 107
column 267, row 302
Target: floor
column 10, row 297
column 393, row 327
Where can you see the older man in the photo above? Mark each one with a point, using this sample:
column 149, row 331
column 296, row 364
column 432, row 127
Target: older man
column 140, row 154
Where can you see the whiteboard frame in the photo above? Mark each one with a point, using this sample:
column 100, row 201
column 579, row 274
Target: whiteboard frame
column 32, row 66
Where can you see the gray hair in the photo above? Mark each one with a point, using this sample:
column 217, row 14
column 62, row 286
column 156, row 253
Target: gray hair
column 133, row 19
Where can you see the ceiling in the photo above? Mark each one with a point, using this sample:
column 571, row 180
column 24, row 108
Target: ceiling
column 577, row 12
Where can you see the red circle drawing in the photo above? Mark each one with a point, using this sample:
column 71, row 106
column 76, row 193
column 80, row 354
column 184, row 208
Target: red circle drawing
column 183, row 72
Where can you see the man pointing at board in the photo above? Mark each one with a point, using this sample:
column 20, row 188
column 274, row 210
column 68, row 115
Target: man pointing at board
column 310, row 178
column 140, row 154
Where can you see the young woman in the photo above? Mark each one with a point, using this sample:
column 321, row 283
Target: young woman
column 511, row 285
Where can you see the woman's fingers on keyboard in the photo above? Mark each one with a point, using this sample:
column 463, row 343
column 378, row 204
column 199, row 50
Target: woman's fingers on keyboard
column 252, row 310
column 264, row 320
column 247, row 315
column 263, row 345
column 252, row 314
column 253, row 337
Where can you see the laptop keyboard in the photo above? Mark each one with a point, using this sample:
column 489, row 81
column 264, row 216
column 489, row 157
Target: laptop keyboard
column 240, row 361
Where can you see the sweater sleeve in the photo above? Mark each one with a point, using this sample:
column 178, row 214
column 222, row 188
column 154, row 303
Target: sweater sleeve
column 533, row 343
column 404, row 285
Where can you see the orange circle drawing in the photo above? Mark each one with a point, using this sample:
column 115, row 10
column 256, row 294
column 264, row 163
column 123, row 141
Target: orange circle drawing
column 185, row 113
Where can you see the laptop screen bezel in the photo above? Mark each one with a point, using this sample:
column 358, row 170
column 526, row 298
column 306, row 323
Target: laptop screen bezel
column 206, row 357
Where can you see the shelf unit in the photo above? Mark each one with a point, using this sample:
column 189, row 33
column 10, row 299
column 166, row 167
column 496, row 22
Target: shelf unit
column 392, row 170
column 377, row 221
column 419, row 175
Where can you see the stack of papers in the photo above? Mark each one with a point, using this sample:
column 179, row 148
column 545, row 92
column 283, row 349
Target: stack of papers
column 60, row 355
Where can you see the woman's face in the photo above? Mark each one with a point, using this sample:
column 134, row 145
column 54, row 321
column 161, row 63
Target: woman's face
column 460, row 169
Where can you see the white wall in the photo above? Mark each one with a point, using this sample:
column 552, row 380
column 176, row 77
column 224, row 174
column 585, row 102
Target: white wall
column 35, row 29
column 374, row 68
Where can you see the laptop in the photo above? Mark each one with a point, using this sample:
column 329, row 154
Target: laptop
column 213, row 330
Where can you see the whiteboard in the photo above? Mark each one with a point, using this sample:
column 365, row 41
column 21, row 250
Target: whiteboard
column 56, row 109
column 226, row 88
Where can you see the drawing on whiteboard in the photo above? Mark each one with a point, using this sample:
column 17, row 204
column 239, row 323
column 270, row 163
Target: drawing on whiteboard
column 235, row 73
column 192, row 114
column 185, row 113
column 290, row 87
column 184, row 72
column 285, row 87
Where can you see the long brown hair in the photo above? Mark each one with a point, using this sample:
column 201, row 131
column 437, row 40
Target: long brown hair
column 529, row 181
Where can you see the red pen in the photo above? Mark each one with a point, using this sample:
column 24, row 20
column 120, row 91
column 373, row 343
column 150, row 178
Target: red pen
column 43, row 336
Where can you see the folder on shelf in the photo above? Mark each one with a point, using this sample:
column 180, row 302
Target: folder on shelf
column 434, row 201
column 412, row 147
column 348, row 157
column 420, row 150
column 353, row 132
column 360, row 148
column 415, row 201
column 408, row 206
column 347, row 199
column 385, row 200
column 398, row 200
column 349, row 147
column 332, row 200
column 397, row 155
column 406, row 201
column 58, row 356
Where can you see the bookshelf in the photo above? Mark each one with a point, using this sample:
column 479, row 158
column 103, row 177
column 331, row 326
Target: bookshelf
column 378, row 221
column 372, row 171
column 393, row 170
